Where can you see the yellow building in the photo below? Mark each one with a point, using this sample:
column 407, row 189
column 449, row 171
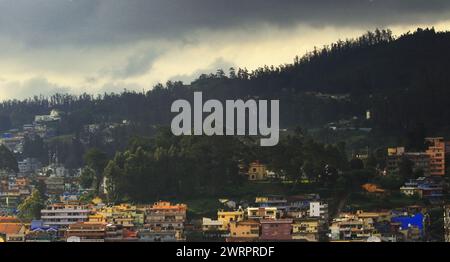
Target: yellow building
column 97, row 218
column 244, row 229
column 257, row 171
column 262, row 212
column 123, row 214
column 226, row 217
column 306, row 229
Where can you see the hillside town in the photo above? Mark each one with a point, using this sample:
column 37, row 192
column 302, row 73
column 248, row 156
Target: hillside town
column 69, row 211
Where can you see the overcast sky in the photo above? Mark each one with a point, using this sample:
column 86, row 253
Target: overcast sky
column 97, row 46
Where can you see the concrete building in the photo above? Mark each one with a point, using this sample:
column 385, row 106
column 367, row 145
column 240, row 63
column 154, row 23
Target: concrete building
column 276, row 230
column 248, row 229
column 210, row 225
column 318, row 209
column 436, row 151
column 226, row 217
column 262, row 213
column 164, row 221
column 420, row 160
column 86, row 232
column 257, row 171
column 63, row 215
column 29, row 165
column 54, row 185
column 306, row 229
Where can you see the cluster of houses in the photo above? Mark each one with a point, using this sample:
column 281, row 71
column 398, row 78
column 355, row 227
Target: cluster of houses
column 386, row 226
column 297, row 218
column 431, row 162
column 57, row 181
column 72, row 221
column 43, row 126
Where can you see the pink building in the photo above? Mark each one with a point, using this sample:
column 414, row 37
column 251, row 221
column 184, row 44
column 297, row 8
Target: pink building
column 276, row 229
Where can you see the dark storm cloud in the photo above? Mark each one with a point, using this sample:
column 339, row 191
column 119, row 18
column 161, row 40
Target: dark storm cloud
column 47, row 22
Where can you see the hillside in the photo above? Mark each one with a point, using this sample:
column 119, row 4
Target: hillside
column 402, row 81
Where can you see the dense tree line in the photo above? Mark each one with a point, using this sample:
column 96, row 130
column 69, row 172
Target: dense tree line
column 170, row 166
column 403, row 81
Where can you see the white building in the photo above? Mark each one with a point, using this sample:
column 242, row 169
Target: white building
column 63, row 215
column 54, row 116
column 318, row 209
column 209, row 224
column 29, row 165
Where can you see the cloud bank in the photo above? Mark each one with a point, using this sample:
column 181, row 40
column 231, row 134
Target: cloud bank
column 107, row 45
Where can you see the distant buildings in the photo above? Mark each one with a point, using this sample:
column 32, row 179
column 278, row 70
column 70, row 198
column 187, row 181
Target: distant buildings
column 388, row 226
column 52, row 117
column 423, row 187
column 420, row 160
column 29, row 166
column 431, row 162
column 272, row 218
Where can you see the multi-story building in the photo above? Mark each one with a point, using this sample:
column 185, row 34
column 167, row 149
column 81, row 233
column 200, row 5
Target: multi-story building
column 125, row 215
column 248, row 229
column 86, row 232
column 55, row 185
column 306, row 229
column 420, row 160
column 423, row 188
column 64, row 214
column 262, row 213
column 318, row 209
column 29, row 165
column 279, row 229
column 164, row 221
column 226, row 217
column 436, row 151
column 210, row 225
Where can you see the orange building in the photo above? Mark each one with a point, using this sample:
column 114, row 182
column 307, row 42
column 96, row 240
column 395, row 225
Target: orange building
column 244, row 229
column 436, row 151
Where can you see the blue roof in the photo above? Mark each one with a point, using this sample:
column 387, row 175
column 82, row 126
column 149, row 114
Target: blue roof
column 408, row 221
column 36, row 224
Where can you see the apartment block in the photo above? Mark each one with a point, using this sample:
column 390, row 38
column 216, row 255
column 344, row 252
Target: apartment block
column 436, row 151
column 63, row 215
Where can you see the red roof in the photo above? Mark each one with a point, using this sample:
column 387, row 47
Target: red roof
column 10, row 228
column 9, row 220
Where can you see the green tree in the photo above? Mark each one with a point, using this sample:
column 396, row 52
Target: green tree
column 7, row 160
column 96, row 160
column 405, row 169
column 87, row 177
column 31, row 207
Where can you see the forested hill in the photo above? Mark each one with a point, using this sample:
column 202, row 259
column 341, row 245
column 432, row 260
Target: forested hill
column 403, row 81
